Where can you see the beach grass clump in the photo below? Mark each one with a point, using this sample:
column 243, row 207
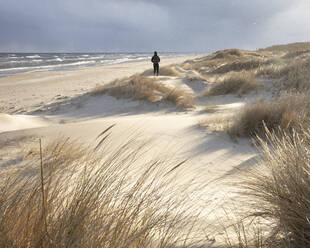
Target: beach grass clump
column 271, row 71
column 145, row 88
column 297, row 54
column 238, row 66
column 298, row 75
column 93, row 197
column 227, row 54
column 285, row 48
column 294, row 73
column 180, row 98
column 169, row 71
column 195, row 77
column 289, row 112
column 136, row 87
column 278, row 189
column 237, row 83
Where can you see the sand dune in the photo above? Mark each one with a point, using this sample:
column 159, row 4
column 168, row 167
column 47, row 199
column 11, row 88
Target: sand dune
column 19, row 122
column 59, row 104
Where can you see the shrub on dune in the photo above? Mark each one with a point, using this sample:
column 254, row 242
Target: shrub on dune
column 234, row 83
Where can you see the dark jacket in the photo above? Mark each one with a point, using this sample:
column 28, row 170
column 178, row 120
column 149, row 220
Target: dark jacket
column 155, row 59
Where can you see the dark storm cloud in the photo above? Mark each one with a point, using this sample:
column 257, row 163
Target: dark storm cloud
column 144, row 25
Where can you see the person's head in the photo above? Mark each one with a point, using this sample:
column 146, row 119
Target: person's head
column 155, row 53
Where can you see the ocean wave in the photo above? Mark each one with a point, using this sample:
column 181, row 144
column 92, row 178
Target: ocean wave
column 33, row 56
column 49, row 66
column 21, row 63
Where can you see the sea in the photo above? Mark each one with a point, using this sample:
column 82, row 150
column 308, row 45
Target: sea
column 15, row 63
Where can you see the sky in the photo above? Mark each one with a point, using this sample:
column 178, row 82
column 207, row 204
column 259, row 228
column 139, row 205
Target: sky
column 148, row 25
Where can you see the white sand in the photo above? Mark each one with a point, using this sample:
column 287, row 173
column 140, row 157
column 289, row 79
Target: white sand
column 18, row 122
column 212, row 157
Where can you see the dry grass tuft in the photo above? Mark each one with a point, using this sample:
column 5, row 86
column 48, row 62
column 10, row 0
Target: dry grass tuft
column 240, row 234
column 97, row 199
column 224, row 54
column 136, row 87
column 211, row 108
column 218, row 123
column 144, row 88
column 292, row 47
column 279, row 191
column 195, row 77
column 180, row 98
column 234, row 83
column 288, row 112
column 298, row 75
column 295, row 73
column 271, row 71
column 296, row 54
column 169, row 71
column 238, row 66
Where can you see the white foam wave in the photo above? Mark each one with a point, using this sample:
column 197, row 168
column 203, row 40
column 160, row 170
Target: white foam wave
column 49, row 66
column 33, row 56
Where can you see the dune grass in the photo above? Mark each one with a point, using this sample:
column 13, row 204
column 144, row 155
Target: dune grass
column 278, row 190
column 238, row 66
column 288, row 63
column 298, row 75
column 290, row 111
column 291, row 47
column 169, row 71
column 145, row 88
column 238, row 83
column 195, row 77
column 94, row 197
column 224, row 54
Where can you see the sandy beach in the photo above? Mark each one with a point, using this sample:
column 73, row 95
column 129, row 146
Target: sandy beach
column 51, row 105
column 189, row 134
column 154, row 124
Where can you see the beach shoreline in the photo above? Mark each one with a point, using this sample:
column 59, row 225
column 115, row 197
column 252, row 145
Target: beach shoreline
column 21, row 92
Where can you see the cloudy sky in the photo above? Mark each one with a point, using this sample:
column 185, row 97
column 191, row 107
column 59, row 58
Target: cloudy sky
column 146, row 25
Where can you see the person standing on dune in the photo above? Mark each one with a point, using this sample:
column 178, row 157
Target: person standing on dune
column 155, row 60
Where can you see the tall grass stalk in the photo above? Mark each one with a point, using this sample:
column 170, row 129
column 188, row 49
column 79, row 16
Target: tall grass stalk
column 278, row 190
column 87, row 197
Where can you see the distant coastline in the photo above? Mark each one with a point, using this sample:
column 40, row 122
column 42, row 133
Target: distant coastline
column 16, row 63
